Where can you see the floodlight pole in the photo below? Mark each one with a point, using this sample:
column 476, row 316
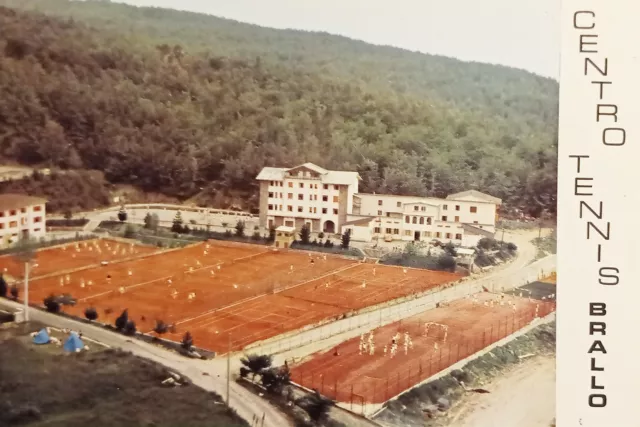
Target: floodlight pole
column 26, row 291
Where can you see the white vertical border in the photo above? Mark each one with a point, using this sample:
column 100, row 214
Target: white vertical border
column 588, row 263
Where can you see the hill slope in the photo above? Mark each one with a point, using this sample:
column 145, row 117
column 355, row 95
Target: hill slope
column 183, row 102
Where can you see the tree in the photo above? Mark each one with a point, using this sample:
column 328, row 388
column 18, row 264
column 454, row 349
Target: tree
column 256, row 364
column 130, row 328
column 122, row 214
column 346, row 239
column 256, row 236
column 321, row 235
column 155, row 222
column 121, row 321
column 147, row 221
column 25, row 251
column 161, row 327
column 91, row 313
column 4, row 287
column 272, row 233
column 447, row 262
column 305, row 234
column 276, row 379
column 68, row 215
column 176, row 227
column 187, row 341
column 450, row 249
column 317, row 406
column 240, row 228
column 51, row 303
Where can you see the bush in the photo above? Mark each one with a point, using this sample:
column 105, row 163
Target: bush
column 4, row 287
column 122, row 215
column 91, row 313
column 346, row 239
column 51, row 304
column 228, row 233
column 240, row 226
column 14, row 292
column 161, row 327
column 187, row 341
column 122, row 320
column 447, row 262
column 321, row 235
column 129, row 232
column 256, row 236
column 305, row 234
column 130, row 328
column 511, row 247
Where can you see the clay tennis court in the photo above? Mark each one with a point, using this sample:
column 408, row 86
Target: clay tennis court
column 361, row 377
column 74, row 255
column 217, row 290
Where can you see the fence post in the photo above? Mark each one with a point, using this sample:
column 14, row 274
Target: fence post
column 386, row 396
column 322, row 384
column 484, row 333
column 373, row 397
column 335, row 389
column 351, row 397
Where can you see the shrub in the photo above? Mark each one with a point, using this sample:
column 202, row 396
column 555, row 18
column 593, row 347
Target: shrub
column 320, row 235
column 91, row 313
column 187, row 341
column 512, row 247
column 256, row 236
column 161, row 327
column 122, row 215
column 130, row 328
column 4, row 287
column 447, row 262
column 129, row 232
column 346, row 239
column 51, row 304
column 240, row 226
column 228, row 234
column 305, row 234
column 122, row 320
column 14, row 292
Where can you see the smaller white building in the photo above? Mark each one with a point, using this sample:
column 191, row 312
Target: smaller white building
column 21, row 217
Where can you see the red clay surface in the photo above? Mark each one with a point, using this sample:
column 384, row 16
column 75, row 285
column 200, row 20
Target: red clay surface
column 219, row 289
column 70, row 256
column 365, row 378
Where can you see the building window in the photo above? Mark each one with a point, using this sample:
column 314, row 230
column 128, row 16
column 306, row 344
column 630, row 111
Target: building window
column 456, row 219
column 407, row 232
column 37, row 208
column 281, row 195
column 438, row 235
column 12, row 213
column 280, row 207
column 426, row 233
column 290, row 208
column 473, row 209
column 376, row 230
column 300, row 196
column 444, row 218
column 444, row 207
column 415, row 220
column 399, row 204
column 325, row 186
column 324, row 210
column 1, row 214
column 415, row 208
column 335, row 211
column 379, row 213
column 387, row 230
column 23, row 210
column 407, row 219
column 290, row 196
column 300, row 209
column 448, row 235
column 270, row 195
column 13, row 224
column 315, row 210
column 396, row 231
column 23, row 221
column 335, row 199
column 423, row 208
column 301, row 185
column 1, row 226
column 429, row 220
column 379, row 202
column 325, row 198
column 270, row 207
column 335, row 187
column 457, row 207
column 475, row 222
column 36, row 229
column 291, row 185
column 388, row 214
column 458, row 236
column 421, row 220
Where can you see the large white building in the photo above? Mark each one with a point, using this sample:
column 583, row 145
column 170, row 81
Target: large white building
column 306, row 194
column 329, row 201
column 462, row 218
column 21, row 217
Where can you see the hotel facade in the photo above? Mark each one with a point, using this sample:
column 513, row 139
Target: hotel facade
column 329, row 202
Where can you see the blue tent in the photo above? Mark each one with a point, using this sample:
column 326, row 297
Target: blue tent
column 73, row 343
column 41, row 337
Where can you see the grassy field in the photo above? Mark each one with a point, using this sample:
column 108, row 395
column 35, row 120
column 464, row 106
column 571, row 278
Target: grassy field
column 41, row 386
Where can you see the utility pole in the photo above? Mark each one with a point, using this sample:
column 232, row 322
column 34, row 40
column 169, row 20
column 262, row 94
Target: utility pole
column 228, row 368
column 26, row 290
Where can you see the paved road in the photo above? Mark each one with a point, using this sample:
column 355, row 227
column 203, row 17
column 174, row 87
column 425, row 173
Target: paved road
column 209, row 375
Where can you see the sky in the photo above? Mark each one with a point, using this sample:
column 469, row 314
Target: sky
column 518, row 33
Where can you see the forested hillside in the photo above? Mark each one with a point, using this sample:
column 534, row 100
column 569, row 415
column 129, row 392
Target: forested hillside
column 191, row 104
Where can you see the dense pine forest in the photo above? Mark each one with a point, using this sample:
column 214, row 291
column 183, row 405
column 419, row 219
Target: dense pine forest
column 193, row 105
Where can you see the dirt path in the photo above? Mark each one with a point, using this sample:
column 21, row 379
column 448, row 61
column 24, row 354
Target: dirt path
column 523, row 397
